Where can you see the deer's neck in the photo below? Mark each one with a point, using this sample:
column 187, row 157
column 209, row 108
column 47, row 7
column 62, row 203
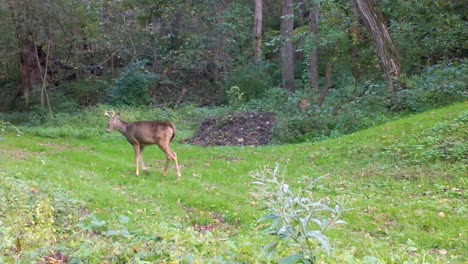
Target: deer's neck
column 121, row 126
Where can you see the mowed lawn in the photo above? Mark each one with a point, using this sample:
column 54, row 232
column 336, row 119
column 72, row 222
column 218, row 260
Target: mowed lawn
column 404, row 204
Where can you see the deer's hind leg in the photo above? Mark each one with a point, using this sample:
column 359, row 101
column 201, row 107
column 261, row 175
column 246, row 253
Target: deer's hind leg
column 171, row 155
column 142, row 162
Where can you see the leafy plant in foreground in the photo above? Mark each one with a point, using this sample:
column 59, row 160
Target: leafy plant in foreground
column 5, row 125
column 298, row 219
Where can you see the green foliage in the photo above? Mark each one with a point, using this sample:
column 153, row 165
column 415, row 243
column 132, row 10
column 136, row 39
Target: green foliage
column 30, row 219
column 5, row 126
column 411, row 209
column 369, row 105
column 85, row 93
column 357, row 108
column 238, row 29
column 274, row 99
column 439, row 85
column 84, row 124
column 235, row 96
column 447, row 141
column 251, row 80
column 426, row 32
column 37, row 223
column 300, row 220
column 132, row 88
column 185, row 42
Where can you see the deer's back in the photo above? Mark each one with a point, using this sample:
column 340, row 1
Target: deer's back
column 150, row 132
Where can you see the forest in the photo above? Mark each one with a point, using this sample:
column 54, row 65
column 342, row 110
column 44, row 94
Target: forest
column 308, row 131
column 327, row 57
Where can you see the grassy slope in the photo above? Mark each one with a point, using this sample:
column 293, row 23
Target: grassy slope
column 401, row 206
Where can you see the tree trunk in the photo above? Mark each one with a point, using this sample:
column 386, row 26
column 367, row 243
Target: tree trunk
column 287, row 52
column 258, row 31
column 29, row 72
column 383, row 45
column 44, row 75
column 313, row 30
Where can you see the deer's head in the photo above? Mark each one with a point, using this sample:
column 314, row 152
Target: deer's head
column 113, row 119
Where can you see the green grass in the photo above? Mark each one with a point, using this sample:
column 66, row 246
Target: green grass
column 407, row 204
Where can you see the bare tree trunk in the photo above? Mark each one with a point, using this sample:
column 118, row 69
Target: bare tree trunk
column 386, row 52
column 313, row 30
column 29, row 71
column 323, row 94
column 44, row 95
column 287, row 52
column 258, row 31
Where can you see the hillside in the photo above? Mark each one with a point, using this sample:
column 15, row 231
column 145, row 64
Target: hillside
column 76, row 200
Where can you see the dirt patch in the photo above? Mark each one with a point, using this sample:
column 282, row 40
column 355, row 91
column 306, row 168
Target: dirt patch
column 207, row 221
column 55, row 258
column 238, row 129
column 14, row 154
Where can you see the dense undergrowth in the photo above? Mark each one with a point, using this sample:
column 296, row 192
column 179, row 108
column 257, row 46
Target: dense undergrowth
column 74, row 196
column 347, row 109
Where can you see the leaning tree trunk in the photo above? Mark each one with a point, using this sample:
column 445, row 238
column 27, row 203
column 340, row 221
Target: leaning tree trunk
column 386, row 52
column 258, row 31
column 287, row 52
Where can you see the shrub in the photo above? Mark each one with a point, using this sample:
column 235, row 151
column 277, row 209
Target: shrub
column 85, row 92
column 299, row 220
column 132, row 88
column 438, row 86
column 252, row 81
column 4, row 126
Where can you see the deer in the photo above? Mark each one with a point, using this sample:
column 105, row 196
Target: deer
column 143, row 133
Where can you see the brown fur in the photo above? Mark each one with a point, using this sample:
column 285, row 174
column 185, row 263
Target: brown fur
column 143, row 133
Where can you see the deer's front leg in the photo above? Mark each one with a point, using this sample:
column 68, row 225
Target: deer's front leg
column 136, row 147
column 142, row 162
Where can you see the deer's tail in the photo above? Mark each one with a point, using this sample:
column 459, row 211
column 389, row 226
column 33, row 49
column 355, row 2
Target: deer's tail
column 173, row 132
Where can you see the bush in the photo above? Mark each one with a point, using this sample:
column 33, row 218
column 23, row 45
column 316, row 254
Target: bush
column 252, row 81
column 299, row 220
column 4, row 126
column 133, row 87
column 85, row 92
column 438, row 86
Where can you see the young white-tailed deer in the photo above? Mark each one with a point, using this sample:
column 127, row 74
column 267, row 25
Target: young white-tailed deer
column 143, row 133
